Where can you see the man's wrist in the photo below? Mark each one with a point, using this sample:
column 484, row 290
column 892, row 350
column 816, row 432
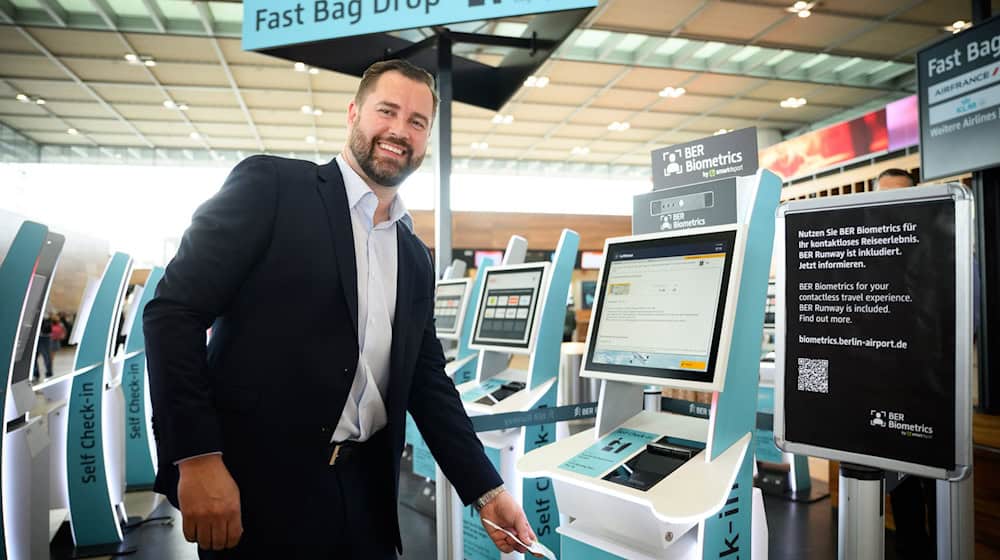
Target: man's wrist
column 488, row 497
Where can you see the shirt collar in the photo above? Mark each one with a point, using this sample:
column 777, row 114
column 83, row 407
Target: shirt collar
column 360, row 196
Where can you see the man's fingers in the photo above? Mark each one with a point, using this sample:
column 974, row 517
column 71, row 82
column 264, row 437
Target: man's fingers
column 190, row 528
column 524, row 531
column 234, row 531
column 219, row 537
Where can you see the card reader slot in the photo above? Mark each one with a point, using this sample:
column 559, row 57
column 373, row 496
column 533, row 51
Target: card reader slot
column 652, row 465
column 505, row 390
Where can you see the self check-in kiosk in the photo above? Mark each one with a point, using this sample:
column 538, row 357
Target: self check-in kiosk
column 681, row 308
column 25, row 278
column 520, row 311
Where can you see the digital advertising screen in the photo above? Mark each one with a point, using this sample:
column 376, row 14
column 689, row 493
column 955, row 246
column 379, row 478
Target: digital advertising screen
column 449, row 307
column 660, row 310
column 508, row 305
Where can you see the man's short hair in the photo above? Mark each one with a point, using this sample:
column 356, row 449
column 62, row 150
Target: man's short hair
column 375, row 71
column 896, row 172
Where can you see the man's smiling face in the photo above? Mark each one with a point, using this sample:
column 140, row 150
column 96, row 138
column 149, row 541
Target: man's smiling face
column 388, row 129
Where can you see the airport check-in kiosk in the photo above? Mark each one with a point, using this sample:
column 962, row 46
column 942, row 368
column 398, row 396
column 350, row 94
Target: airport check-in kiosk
column 25, row 278
column 874, row 351
column 520, row 311
column 683, row 309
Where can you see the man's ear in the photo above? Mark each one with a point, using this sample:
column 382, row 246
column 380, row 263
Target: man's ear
column 352, row 113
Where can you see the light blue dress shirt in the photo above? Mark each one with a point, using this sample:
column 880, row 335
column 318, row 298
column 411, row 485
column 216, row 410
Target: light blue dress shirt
column 375, row 253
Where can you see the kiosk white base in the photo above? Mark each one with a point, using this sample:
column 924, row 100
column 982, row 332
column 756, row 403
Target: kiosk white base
column 26, row 490
column 611, row 516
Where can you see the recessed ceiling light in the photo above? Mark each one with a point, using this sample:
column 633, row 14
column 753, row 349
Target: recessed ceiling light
column 72, row 131
column 39, row 101
column 132, row 57
column 318, row 112
column 195, row 136
column 310, row 139
column 300, row 67
column 169, row 104
column 580, row 151
column 802, row 9
column 722, row 131
column 619, row 126
column 672, row 92
column 502, row 119
column 793, row 102
column 149, row 62
column 306, row 109
column 958, row 26
column 314, row 71
column 480, row 146
column 536, row 81
column 23, row 98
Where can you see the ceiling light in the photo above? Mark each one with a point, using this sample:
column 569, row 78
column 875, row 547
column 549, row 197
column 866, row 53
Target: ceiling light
column 536, row 81
column 793, row 102
column 722, row 131
column 580, row 151
column 502, row 119
column 318, row 112
column 183, row 107
column 310, row 139
column 619, row 126
column 39, row 101
column 300, row 67
column 169, row 104
column 132, row 58
column 958, row 26
column 149, row 62
column 307, row 109
column 480, row 146
column 314, row 71
column 195, row 136
column 672, row 92
column 72, row 131
column 23, row 98
column 802, row 9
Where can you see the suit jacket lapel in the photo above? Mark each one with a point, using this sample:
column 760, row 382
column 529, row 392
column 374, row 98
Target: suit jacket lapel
column 405, row 277
column 334, row 195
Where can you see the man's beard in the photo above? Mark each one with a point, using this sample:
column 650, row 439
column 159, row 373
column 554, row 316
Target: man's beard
column 386, row 173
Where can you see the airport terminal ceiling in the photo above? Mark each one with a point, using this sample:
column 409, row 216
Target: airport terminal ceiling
column 134, row 81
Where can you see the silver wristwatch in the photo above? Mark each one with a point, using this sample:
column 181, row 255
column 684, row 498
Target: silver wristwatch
column 488, row 497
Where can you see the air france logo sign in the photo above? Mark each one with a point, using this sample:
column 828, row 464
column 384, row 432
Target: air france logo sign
column 716, row 157
column 275, row 23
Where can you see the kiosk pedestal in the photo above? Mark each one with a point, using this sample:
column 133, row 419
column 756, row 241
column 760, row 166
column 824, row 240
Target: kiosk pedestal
column 861, row 515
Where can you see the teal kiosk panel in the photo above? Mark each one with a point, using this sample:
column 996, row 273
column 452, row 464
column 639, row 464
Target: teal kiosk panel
column 93, row 517
column 140, row 471
column 15, row 280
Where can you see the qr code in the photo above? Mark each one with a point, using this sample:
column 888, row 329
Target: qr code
column 814, row 375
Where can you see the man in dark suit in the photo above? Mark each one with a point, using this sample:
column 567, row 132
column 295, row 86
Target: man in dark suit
column 282, row 438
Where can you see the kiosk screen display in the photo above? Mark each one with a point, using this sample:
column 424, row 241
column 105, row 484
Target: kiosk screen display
column 661, row 307
column 507, row 307
column 449, row 303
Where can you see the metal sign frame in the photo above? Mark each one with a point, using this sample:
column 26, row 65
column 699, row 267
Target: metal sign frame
column 962, row 200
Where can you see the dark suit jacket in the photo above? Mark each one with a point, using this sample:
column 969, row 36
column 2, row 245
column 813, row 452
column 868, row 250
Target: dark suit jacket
column 269, row 263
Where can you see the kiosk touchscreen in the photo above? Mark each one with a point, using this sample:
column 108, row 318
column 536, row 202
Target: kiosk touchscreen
column 659, row 314
column 450, row 300
column 505, row 316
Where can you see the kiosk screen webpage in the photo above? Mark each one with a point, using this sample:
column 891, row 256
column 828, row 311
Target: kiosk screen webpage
column 447, row 306
column 507, row 309
column 661, row 311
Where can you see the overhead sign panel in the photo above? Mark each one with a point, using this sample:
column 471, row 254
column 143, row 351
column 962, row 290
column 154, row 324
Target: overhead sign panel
column 716, row 157
column 959, row 93
column 275, row 23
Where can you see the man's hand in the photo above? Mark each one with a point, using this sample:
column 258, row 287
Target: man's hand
column 210, row 503
column 505, row 512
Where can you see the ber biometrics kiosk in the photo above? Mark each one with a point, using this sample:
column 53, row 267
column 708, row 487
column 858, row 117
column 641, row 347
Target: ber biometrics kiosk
column 520, row 310
column 681, row 309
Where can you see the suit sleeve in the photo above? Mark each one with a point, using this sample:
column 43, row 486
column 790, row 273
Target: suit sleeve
column 444, row 424
column 228, row 235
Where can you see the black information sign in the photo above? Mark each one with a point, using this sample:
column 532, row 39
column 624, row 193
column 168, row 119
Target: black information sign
column 958, row 87
column 727, row 155
column 870, row 331
column 705, row 204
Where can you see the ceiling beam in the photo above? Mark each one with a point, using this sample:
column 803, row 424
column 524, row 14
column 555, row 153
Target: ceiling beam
column 76, row 79
column 156, row 15
column 106, row 13
column 209, row 23
column 55, row 11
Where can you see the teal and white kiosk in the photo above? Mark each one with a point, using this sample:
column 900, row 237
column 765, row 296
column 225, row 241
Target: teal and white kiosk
column 520, row 310
column 25, row 278
column 682, row 308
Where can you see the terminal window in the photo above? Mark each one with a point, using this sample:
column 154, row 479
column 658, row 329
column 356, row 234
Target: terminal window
column 661, row 310
column 507, row 310
column 447, row 306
